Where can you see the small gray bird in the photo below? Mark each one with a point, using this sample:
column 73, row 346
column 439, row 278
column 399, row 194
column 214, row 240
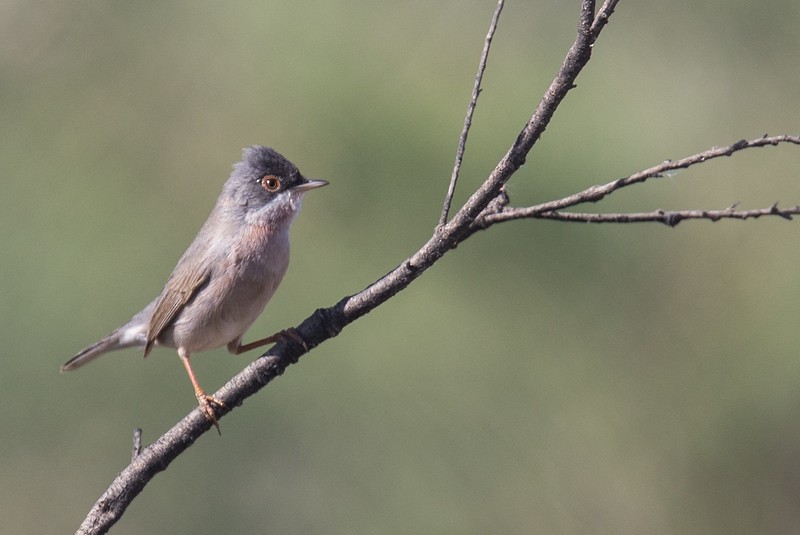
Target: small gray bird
column 227, row 275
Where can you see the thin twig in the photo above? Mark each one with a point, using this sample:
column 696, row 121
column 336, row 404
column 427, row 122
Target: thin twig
column 597, row 192
column 601, row 19
column 476, row 91
column 576, row 59
column 672, row 218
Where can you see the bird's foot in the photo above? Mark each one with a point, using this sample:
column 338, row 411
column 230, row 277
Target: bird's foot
column 292, row 333
column 206, row 403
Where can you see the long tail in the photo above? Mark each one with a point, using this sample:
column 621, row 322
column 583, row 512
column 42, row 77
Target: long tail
column 132, row 334
column 109, row 343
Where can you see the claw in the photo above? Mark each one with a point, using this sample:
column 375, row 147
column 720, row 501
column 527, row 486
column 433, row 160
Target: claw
column 205, row 401
column 292, row 333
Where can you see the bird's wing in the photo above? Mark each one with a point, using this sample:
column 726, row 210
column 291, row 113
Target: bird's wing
column 180, row 288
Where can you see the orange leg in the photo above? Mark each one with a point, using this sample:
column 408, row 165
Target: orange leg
column 237, row 348
column 204, row 400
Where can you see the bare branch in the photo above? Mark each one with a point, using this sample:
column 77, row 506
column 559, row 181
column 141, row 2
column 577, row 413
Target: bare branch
column 577, row 57
column 672, row 218
column 598, row 192
column 602, row 16
column 587, row 16
column 446, row 237
column 476, row 91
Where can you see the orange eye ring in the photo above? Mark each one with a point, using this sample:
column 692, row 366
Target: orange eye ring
column 271, row 183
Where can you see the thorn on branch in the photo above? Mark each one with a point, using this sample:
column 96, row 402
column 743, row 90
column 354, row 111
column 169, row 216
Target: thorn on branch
column 774, row 210
column 411, row 267
column 137, row 443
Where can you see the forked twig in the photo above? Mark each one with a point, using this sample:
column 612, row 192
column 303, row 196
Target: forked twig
column 552, row 209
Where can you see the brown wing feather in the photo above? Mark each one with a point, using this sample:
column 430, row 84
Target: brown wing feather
column 177, row 292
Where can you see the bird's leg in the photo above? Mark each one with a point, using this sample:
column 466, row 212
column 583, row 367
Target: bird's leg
column 236, row 347
column 204, row 400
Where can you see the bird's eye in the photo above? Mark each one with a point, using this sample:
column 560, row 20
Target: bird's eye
column 271, row 183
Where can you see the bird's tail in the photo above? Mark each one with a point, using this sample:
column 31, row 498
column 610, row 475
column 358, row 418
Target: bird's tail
column 132, row 334
column 109, row 343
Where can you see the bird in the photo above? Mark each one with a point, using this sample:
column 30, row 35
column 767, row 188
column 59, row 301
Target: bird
column 226, row 277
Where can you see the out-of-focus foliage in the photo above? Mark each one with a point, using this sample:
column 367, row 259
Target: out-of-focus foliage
column 543, row 378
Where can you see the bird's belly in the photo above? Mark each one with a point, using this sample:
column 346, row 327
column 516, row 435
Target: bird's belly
column 219, row 315
column 237, row 292
column 207, row 323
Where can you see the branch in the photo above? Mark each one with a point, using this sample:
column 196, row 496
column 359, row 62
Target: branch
column 672, row 218
column 602, row 16
column 577, row 57
column 448, row 236
column 551, row 210
column 476, row 91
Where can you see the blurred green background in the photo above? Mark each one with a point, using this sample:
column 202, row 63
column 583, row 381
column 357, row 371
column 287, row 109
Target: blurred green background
column 542, row 378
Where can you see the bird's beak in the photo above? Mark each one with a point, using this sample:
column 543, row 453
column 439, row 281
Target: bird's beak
column 310, row 184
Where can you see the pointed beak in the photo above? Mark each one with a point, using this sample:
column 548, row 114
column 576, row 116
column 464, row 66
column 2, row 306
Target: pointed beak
column 310, row 184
